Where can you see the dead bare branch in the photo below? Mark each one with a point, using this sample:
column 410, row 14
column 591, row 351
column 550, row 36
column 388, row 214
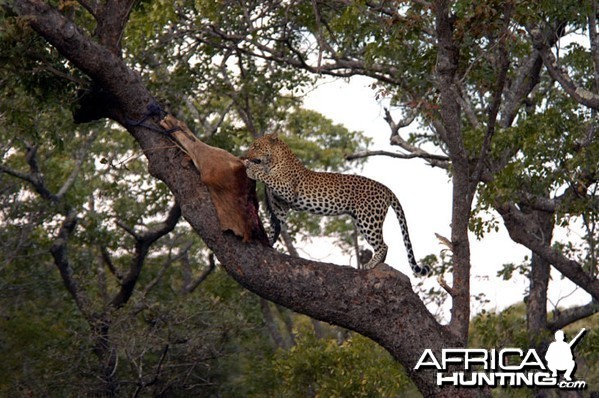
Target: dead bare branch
column 426, row 156
column 414, row 151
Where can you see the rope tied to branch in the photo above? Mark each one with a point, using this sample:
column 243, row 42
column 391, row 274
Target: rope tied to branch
column 154, row 109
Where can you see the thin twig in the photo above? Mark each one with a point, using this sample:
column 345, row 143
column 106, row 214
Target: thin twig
column 81, row 159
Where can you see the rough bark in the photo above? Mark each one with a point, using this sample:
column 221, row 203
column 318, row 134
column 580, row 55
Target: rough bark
column 536, row 305
column 379, row 303
column 451, row 134
column 519, row 226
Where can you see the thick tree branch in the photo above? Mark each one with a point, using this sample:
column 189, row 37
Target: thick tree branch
column 521, row 230
column 552, row 205
column 99, row 63
column 570, row 315
column 111, row 18
column 536, row 305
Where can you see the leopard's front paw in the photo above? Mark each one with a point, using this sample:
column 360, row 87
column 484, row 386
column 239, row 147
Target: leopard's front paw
column 250, row 168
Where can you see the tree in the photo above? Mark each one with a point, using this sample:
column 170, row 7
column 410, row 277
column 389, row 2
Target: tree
column 133, row 289
column 479, row 127
column 474, row 76
column 124, row 98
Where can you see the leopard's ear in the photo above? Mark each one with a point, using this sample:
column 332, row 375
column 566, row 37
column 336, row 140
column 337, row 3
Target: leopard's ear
column 273, row 136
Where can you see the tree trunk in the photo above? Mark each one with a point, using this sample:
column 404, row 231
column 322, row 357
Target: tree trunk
column 451, row 133
column 536, row 305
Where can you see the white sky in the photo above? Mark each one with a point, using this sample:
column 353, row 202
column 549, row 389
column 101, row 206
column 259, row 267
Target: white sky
column 425, row 194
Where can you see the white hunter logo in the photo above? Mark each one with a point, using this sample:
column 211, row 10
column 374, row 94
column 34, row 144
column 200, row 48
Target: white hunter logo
column 511, row 367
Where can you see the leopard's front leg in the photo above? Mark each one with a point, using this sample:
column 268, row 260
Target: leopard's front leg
column 277, row 209
column 277, row 206
column 259, row 171
column 255, row 171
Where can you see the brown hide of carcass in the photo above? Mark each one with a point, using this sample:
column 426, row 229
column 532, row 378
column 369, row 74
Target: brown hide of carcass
column 233, row 193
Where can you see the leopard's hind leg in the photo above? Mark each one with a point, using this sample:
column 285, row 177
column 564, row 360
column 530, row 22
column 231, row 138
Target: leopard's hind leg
column 370, row 226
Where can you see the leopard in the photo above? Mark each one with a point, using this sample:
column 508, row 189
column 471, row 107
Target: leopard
column 295, row 187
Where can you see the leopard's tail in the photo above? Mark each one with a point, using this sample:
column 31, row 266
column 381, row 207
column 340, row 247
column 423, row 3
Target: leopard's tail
column 401, row 217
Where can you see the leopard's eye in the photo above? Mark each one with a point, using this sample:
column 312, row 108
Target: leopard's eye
column 256, row 161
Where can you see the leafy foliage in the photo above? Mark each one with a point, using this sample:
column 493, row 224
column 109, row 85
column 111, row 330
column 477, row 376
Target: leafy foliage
column 322, row 367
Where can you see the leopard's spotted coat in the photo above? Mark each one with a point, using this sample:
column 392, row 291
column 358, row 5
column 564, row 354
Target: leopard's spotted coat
column 294, row 186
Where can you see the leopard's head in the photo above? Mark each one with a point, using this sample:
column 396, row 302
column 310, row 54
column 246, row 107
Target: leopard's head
column 262, row 151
